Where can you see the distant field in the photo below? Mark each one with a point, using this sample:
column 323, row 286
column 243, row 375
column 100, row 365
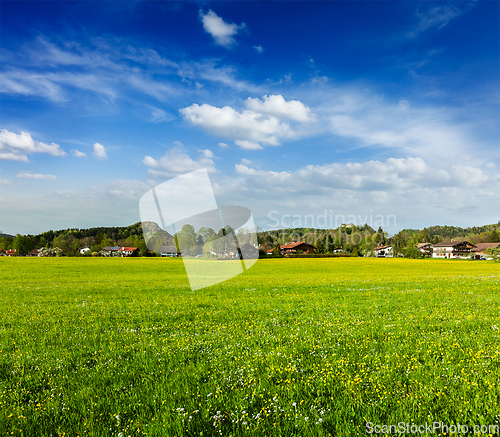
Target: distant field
column 311, row 347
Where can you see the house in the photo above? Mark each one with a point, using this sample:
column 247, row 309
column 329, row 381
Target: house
column 452, row 249
column 480, row 248
column 249, row 251
column 384, row 251
column 110, row 250
column 34, row 252
column 425, row 249
column 169, row 251
column 10, row 252
column 293, row 248
column 84, row 250
column 127, row 251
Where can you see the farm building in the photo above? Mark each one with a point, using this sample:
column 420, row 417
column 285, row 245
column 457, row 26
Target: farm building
column 384, row 251
column 480, row 248
column 249, row 251
column 110, row 250
column 425, row 249
column 300, row 247
column 169, row 251
column 452, row 249
column 127, row 251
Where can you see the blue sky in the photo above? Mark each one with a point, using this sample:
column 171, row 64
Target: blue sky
column 361, row 109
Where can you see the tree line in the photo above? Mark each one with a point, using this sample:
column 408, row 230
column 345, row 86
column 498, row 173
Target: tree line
column 354, row 240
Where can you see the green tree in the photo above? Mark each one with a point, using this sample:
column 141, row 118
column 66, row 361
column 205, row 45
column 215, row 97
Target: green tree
column 380, row 237
column 205, row 233
column 276, row 248
column 319, row 247
column 423, row 236
column 19, row 244
column 494, row 236
column 330, row 246
column 187, row 240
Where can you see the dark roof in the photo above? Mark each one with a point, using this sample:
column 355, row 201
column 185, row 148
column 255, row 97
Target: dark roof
column 483, row 246
column 451, row 243
column 111, row 248
column 34, row 252
column 382, row 247
column 293, row 245
column 248, row 246
column 168, row 249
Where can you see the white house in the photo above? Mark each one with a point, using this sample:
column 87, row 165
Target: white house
column 169, row 251
column 452, row 249
column 84, row 250
column 127, row 251
column 425, row 248
column 384, row 251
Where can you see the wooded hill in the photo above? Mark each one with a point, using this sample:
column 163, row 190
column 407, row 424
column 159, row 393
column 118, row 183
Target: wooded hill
column 353, row 239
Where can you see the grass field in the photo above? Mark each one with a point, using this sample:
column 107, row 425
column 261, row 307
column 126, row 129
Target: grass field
column 312, row 347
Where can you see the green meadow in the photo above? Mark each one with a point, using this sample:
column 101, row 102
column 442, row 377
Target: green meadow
column 292, row 347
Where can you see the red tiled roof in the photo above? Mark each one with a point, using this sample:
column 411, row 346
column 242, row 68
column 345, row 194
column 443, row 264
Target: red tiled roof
column 128, row 249
column 382, row 247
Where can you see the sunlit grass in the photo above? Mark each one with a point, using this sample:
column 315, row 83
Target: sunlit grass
column 118, row 347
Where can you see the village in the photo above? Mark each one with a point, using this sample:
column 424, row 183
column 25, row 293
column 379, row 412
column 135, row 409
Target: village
column 459, row 249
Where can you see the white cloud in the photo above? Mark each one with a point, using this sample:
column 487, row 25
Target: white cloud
column 123, row 189
column 245, row 161
column 490, row 165
column 100, row 151
column 277, row 106
column 245, row 127
column 16, row 147
column 208, row 153
column 410, row 190
column 404, row 104
column 39, row 176
column 421, row 132
column 393, row 174
column 223, row 145
column 221, row 31
column 13, row 157
column 176, row 162
column 159, row 116
column 439, row 16
column 5, row 182
column 78, row 154
column 258, row 49
column 250, row 129
column 248, row 145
